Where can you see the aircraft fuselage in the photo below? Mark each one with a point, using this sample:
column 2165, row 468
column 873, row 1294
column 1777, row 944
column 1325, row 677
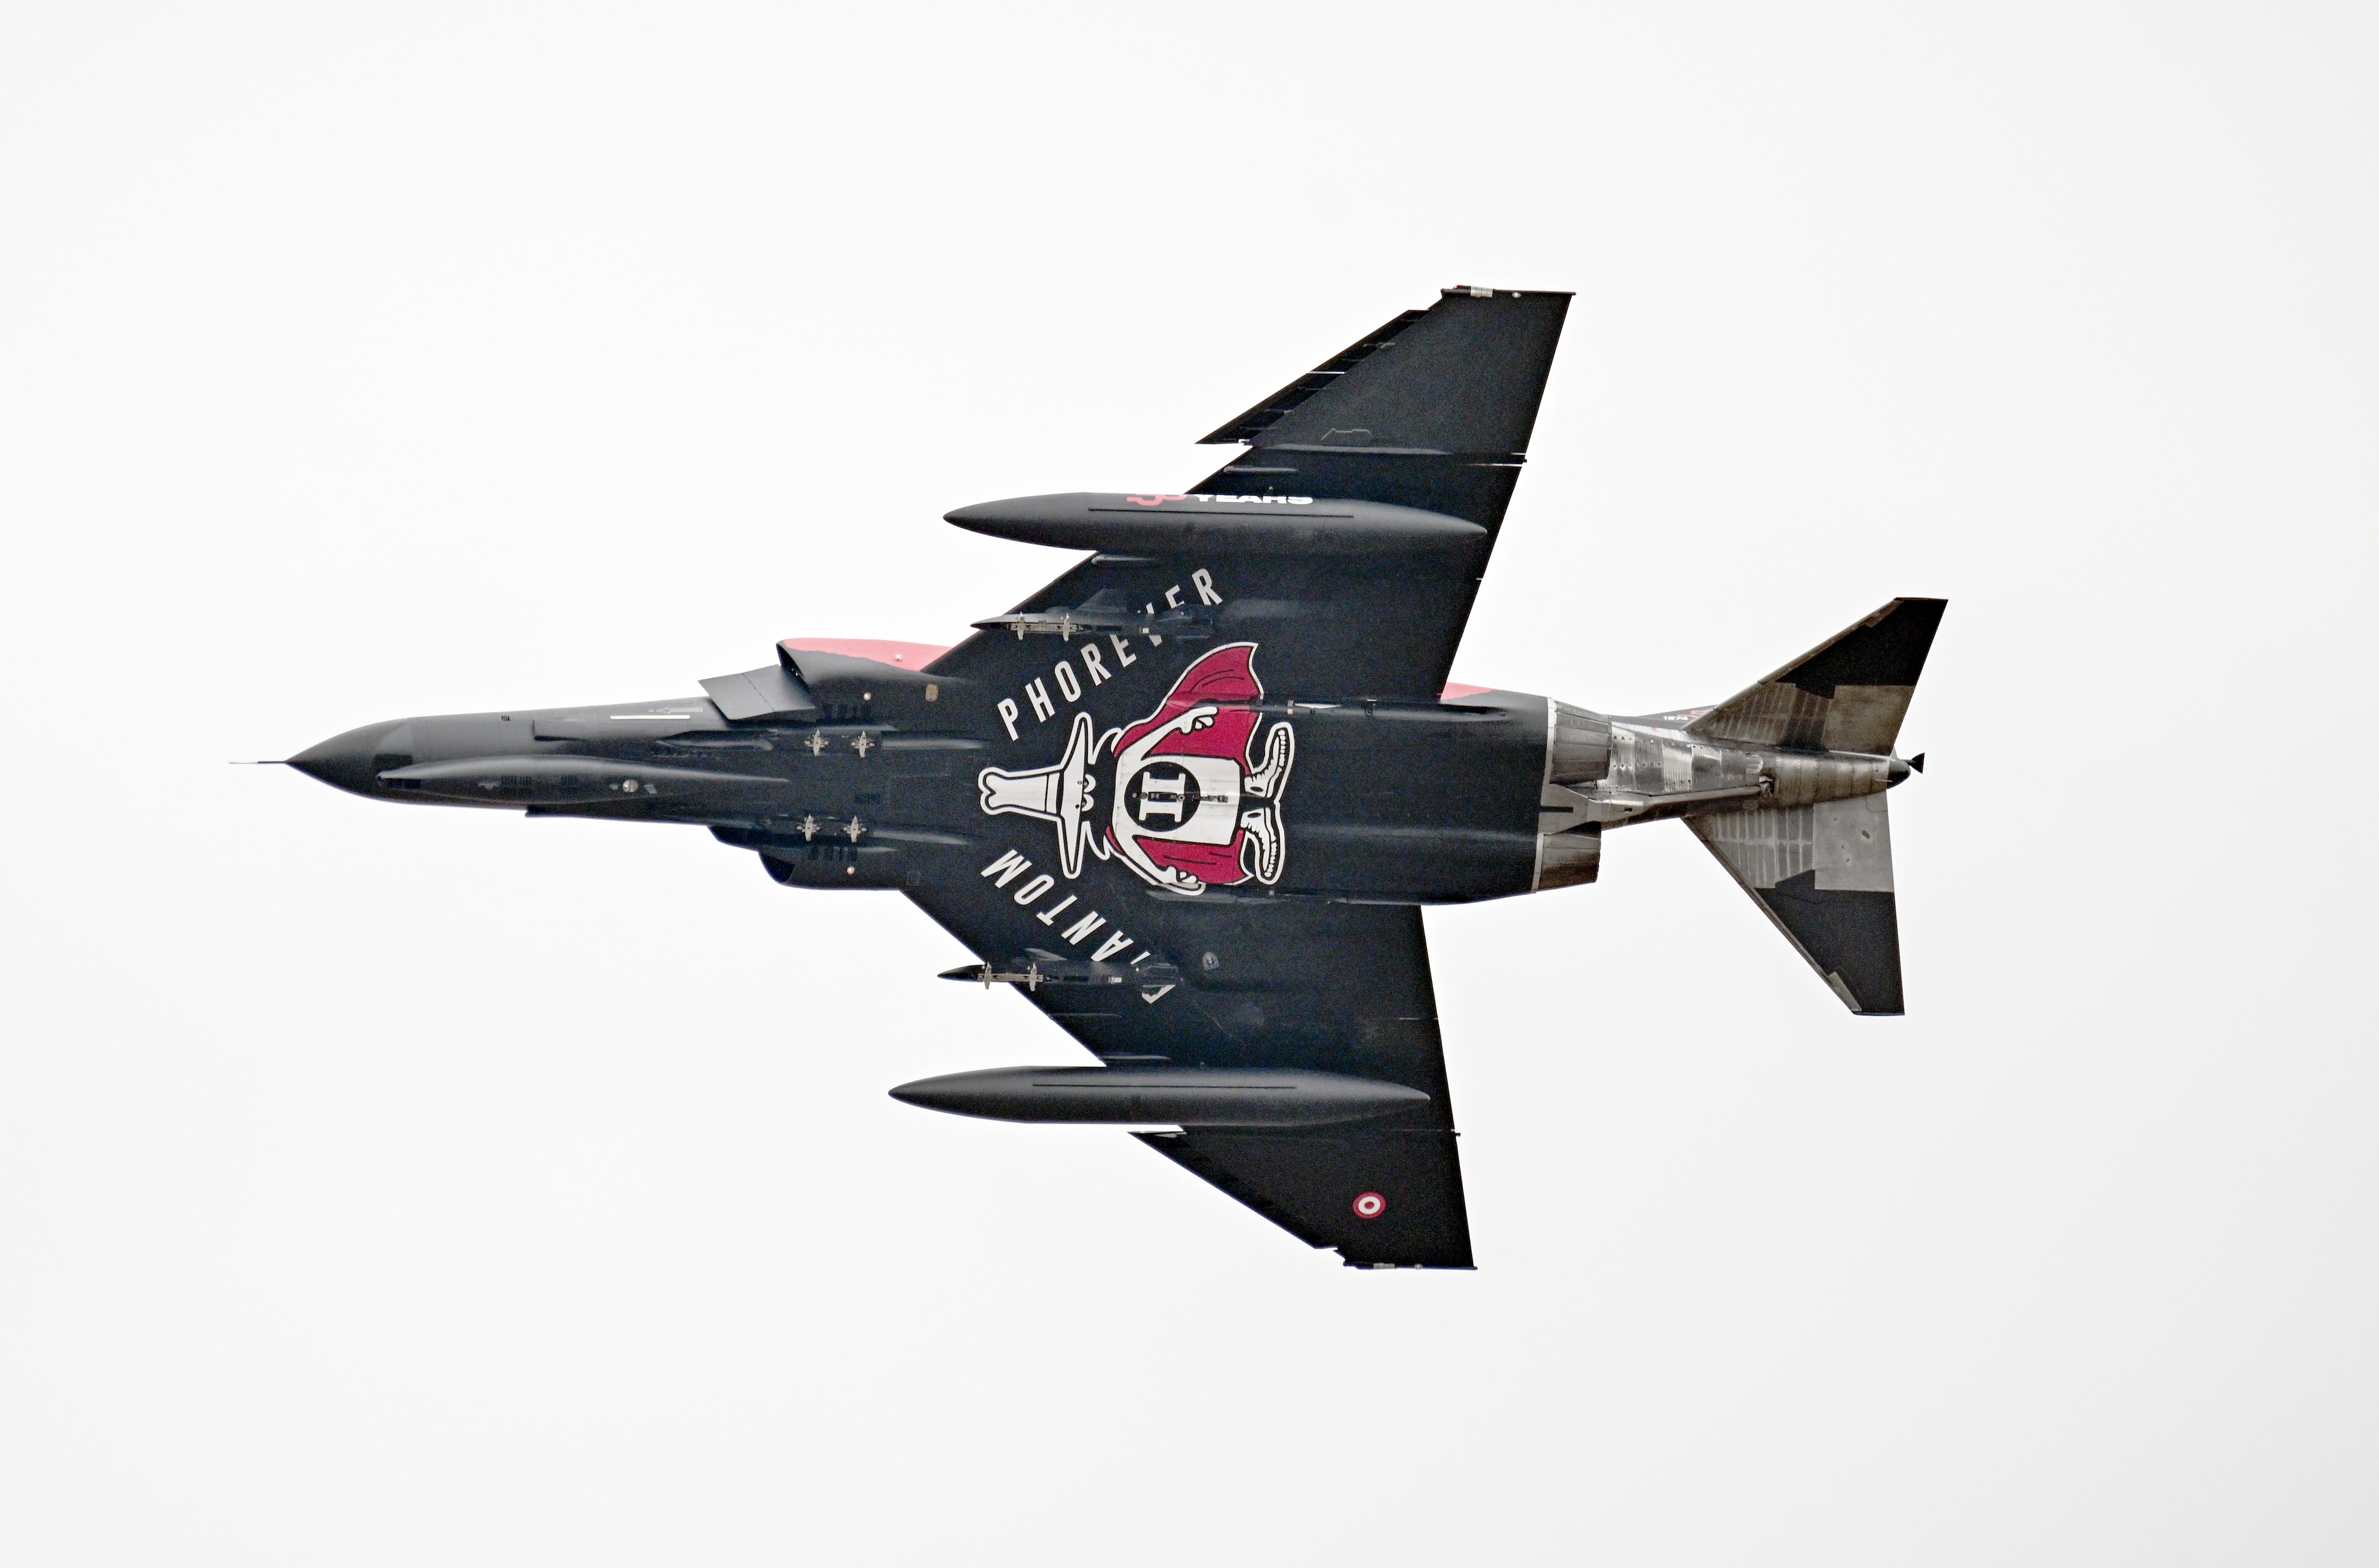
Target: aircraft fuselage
column 1482, row 796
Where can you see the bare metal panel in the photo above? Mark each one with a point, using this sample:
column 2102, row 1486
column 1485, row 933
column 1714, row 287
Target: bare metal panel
column 1846, row 843
column 1849, row 694
column 1569, row 858
column 1579, row 746
column 1822, row 874
column 1761, row 848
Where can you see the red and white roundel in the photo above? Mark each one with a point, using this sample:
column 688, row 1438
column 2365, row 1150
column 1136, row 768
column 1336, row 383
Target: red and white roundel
column 1370, row 1206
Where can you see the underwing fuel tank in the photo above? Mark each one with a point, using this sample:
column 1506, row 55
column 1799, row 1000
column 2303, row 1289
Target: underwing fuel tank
column 1217, row 525
column 1169, row 1096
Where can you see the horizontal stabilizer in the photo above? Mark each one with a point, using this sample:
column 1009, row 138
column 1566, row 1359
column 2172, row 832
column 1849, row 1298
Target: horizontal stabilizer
column 1384, row 1198
column 1848, row 693
column 1823, row 875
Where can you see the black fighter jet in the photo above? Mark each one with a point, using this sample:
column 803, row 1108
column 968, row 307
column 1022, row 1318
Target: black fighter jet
column 1190, row 797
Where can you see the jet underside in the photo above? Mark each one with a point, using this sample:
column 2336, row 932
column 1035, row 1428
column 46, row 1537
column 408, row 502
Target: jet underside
column 1189, row 799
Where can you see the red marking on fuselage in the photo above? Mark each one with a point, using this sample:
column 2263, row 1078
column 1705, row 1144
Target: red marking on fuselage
column 1456, row 688
column 908, row 655
column 1223, row 677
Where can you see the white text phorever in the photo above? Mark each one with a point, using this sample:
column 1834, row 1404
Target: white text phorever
column 1194, row 801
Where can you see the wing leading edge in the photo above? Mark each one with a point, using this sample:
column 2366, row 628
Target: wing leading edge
column 1435, row 411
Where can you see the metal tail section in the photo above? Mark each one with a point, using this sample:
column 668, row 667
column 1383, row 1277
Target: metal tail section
column 1848, row 693
column 1823, row 875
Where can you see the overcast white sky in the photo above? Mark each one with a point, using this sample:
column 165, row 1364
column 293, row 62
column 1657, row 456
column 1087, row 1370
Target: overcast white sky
column 399, row 1187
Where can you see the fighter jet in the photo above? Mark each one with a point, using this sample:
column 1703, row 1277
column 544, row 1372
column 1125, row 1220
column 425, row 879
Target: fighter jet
column 1189, row 799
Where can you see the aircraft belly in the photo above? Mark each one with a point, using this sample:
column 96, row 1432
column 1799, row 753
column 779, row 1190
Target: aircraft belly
column 1185, row 799
column 1436, row 807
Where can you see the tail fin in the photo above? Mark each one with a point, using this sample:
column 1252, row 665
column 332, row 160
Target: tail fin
column 1822, row 872
column 1848, row 693
column 1823, row 875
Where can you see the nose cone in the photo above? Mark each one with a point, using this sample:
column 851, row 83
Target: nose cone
column 927, row 1094
column 353, row 761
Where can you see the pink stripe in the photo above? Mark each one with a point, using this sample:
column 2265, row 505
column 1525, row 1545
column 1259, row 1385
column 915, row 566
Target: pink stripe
column 1456, row 688
column 908, row 655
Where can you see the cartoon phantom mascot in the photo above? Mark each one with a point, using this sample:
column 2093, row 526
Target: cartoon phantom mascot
column 1192, row 803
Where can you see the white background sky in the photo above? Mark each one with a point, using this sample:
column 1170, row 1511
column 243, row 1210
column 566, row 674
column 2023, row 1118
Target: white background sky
column 398, row 1187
